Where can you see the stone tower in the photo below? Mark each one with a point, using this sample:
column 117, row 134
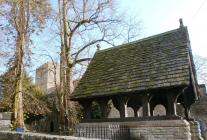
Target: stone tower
column 47, row 76
column 0, row 89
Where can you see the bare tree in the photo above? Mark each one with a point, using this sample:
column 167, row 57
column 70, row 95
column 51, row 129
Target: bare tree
column 23, row 17
column 131, row 29
column 82, row 24
column 201, row 68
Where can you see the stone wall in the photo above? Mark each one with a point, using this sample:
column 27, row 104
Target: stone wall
column 139, row 130
column 45, row 77
column 5, row 120
column 162, row 130
column 195, row 131
column 8, row 135
column 199, row 112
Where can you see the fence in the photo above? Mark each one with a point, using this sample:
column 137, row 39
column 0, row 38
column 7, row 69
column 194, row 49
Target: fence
column 111, row 132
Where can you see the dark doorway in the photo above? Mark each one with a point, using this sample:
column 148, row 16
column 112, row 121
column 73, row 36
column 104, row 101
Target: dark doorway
column 51, row 126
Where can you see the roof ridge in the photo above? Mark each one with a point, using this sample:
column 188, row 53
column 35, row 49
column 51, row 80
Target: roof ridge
column 143, row 39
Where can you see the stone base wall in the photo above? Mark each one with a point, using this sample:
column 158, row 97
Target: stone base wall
column 5, row 120
column 195, row 131
column 170, row 130
column 8, row 135
column 199, row 112
column 139, row 130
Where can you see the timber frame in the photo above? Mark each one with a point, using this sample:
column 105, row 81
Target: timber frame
column 145, row 73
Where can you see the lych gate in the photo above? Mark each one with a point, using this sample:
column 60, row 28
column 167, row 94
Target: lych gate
column 157, row 70
column 168, row 98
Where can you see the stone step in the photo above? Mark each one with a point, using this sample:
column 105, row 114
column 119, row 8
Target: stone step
column 5, row 115
column 5, row 122
column 5, row 128
column 5, row 125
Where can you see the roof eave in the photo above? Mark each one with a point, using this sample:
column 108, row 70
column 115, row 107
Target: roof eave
column 83, row 97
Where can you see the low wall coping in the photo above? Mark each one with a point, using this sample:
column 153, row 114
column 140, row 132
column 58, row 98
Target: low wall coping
column 12, row 135
column 5, row 115
column 151, row 123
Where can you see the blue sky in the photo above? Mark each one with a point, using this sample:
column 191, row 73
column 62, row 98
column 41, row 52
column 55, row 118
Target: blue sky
column 158, row 16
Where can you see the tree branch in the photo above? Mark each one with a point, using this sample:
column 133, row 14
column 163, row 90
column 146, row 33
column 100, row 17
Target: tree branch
column 81, row 60
column 86, row 46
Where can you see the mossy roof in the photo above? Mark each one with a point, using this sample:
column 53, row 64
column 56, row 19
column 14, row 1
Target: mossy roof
column 158, row 61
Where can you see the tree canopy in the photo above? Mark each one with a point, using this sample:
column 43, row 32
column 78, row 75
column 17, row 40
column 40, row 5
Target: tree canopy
column 33, row 96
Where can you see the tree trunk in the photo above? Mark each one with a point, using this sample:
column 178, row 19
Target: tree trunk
column 63, row 65
column 18, row 108
column 19, row 55
column 65, row 69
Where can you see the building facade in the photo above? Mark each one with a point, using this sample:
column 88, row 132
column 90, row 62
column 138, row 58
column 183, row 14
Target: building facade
column 48, row 76
column 1, row 89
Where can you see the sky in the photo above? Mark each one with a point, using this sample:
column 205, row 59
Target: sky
column 156, row 16
column 159, row 16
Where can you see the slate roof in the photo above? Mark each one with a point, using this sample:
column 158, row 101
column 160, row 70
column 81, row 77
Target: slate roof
column 155, row 62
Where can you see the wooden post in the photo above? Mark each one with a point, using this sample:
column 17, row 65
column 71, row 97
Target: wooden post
column 187, row 112
column 171, row 105
column 103, row 106
column 145, row 105
column 122, row 107
column 87, row 109
column 135, row 111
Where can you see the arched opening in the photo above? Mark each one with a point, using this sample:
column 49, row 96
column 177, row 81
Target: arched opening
column 159, row 110
column 158, row 105
column 180, row 105
column 51, row 126
column 140, row 112
column 130, row 112
column 133, row 105
column 95, row 110
column 180, row 110
column 114, row 112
